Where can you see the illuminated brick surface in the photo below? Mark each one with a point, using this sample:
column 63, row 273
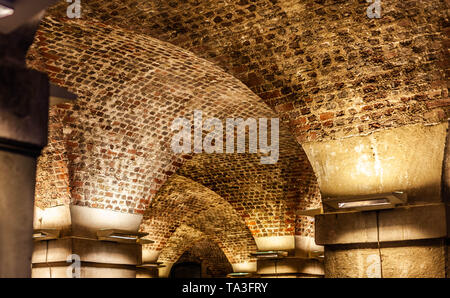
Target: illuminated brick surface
column 322, row 66
column 328, row 69
column 131, row 87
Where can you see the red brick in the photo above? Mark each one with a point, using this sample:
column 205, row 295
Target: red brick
column 326, row 116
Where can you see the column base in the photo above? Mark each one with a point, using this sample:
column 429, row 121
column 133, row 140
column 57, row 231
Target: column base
column 17, row 175
column 406, row 259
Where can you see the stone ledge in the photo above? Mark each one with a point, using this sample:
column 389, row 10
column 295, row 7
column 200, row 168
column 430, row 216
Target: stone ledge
column 400, row 224
column 85, row 272
column 290, row 266
column 344, row 228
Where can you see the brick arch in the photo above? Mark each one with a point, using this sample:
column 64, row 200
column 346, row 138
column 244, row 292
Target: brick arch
column 265, row 196
column 53, row 184
column 183, row 202
column 130, row 88
column 328, row 69
column 210, row 255
column 183, row 238
column 189, row 244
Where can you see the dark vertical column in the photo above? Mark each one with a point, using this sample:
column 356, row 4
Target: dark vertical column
column 23, row 133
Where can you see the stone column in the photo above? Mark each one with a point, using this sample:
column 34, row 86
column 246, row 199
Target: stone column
column 80, row 247
column 407, row 241
column 23, row 133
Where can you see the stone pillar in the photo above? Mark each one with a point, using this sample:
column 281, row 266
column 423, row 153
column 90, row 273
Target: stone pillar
column 407, row 241
column 96, row 258
column 23, row 133
column 247, row 267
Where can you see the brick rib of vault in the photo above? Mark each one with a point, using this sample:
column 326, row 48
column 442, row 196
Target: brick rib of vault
column 130, row 88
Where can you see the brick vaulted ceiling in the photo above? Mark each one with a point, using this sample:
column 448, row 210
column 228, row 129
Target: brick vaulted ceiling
column 201, row 251
column 111, row 149
column 266, row 196
column 324, row 67
column 115, row 140
column 182, row 202
column 328, row 69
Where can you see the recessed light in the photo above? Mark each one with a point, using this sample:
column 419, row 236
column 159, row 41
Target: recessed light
column 269, row 254
column 120, row 236
column 45, row 234
column 5, row 11
column 368, row 202
column 239, row 274
column 152, row 265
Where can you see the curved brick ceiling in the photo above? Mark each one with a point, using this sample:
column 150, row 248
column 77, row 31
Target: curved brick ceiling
column 265, row 196
column 182, row 201
column 180, row 241
column 346, row 76
column 117, row 136
column 190, row 245
column 52, row 173
column 210, row 255
column 323, row 64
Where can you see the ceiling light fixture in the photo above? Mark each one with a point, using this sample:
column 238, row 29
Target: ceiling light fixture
column 15, row 13
column 151, row 265
column 122, row 236
column 356, row 204
column 367, row 202
column 317, row 254
column 6, row 9
column 269, row 254
column 45, row 234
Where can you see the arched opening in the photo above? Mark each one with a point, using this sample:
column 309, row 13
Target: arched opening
column 186, row 270
column 363, row 107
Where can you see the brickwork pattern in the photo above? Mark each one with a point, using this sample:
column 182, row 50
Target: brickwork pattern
column 265, row 196
column 182, row 201
column 327, row 68
column 130, row 88
column 102, row 155
column 53, row 180
column 182, row 239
